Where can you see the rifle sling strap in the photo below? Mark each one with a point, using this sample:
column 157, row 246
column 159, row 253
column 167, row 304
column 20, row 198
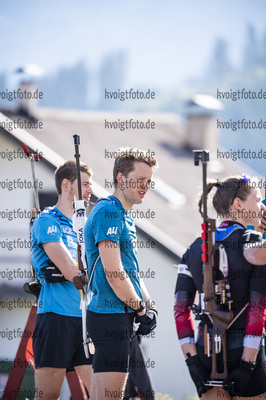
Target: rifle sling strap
column 94, row 265
column 92, row 272
column 237, row 316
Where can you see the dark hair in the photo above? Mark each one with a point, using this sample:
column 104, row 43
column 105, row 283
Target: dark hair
column 225, row 194
column 126, row 157
column 68, row 171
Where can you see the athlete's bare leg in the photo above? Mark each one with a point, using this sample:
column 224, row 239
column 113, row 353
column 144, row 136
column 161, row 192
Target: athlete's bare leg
column 110, row 385
column 48, row 383
column 216, row 393
column 85, row 373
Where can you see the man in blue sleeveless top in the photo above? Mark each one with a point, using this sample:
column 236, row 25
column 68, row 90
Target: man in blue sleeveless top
column 118, row 293
column 57, row 338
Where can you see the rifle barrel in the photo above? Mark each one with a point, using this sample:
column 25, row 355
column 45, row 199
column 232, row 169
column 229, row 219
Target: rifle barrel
column 77, row 156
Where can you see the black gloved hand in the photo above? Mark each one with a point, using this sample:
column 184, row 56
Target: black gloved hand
column 147, row 321
column 198, row 374
column 237, row 381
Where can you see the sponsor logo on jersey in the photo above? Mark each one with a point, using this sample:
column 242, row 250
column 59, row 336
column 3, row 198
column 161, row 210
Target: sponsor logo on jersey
column 74, row 256
column 112, row 231
column 70, row 242
column 52, row 229
column 224, row 224
column 183, row 269
column 67, row 230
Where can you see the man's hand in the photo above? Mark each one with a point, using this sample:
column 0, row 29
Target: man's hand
column 80, row 281
column 147, row 322
column 84, row 277
column 198, row 374
column 263, row 222
column 237, row 381
column 262, row 227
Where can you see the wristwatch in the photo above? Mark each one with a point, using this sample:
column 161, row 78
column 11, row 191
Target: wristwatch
column 141, row 306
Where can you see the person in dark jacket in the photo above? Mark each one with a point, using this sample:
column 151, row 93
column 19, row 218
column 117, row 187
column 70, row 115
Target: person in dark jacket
column 238, row 202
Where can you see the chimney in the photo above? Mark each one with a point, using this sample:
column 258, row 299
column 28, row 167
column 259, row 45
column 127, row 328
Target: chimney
column 201, row 128
column 28, row 103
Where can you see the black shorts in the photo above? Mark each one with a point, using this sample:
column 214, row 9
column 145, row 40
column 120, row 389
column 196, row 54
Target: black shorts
column 58, row 342
column 111, row 335
column 257, row 382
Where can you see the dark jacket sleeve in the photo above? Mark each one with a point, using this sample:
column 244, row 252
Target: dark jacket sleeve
column 185, row 291
column 256, row 308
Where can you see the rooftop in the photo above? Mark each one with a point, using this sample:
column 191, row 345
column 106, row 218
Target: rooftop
column 175, row 219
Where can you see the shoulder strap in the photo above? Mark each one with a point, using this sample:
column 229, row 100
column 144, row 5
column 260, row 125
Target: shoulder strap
column 50, row 210
column 224, row 233
column 251, row 236
column 223, row 261
column 106, row 198
column 94, row 265
column 92, row 272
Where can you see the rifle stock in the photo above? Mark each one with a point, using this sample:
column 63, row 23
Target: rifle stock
column 215, row 301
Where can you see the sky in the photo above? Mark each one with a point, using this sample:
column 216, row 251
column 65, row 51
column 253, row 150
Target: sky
column 167, row 41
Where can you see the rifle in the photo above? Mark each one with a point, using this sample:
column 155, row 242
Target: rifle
column 33, row 287
column 18, row 370
column 215, row 301
column 81, row 281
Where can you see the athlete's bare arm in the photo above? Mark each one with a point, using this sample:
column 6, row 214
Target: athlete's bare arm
column 116, row 275
column 61, row 257
column 255, row 253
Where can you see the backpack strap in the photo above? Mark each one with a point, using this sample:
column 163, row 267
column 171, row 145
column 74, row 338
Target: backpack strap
column 251, row 236
column 223, row 233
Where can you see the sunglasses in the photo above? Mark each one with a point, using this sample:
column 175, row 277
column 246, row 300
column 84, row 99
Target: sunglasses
column 244, row 178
